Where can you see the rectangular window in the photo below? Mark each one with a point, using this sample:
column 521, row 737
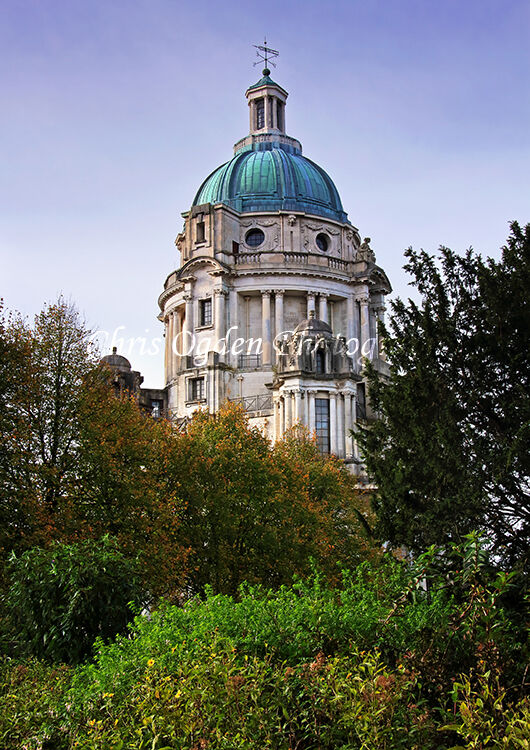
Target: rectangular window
column 322, row 424
column 235, row 248
column 196, row 389
column 205, row 312
column 260, row 114
column 201, row 236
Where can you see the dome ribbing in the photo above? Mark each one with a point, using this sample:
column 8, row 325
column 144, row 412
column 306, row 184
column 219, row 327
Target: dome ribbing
column 272, row 176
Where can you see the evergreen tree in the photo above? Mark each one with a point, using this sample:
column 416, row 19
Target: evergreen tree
column 449, row 452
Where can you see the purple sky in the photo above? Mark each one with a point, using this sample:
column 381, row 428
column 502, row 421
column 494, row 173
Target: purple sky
column 114, row 112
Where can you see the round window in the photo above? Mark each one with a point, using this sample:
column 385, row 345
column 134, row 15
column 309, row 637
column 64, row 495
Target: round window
column 254, row 237
column 322, row 242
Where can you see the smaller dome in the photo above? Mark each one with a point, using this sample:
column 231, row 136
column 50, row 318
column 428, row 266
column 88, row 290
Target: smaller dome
column 116, row 361
column 313, row 325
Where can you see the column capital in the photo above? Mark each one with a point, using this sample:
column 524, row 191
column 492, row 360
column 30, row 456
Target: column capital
column 266, row 292
column 323, row 294
column 187, row 297
column 279, row 292
column 311, row 293
column 363, row 299
column 220, row 292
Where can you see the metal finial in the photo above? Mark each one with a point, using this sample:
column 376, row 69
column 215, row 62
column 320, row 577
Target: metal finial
column 265, row 54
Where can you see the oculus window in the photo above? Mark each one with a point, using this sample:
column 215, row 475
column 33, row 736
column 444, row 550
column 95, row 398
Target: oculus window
column 254, row 237
column 322, row 242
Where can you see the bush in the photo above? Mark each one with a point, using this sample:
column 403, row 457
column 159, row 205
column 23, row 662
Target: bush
column 64, row 597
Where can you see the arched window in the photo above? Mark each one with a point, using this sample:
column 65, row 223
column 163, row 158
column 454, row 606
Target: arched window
column 320, row 361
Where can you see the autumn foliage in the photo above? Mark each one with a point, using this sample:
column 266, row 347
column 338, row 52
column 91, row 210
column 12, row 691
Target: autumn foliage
column 214, row 505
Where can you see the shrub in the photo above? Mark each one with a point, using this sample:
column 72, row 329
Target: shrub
column 64, row 597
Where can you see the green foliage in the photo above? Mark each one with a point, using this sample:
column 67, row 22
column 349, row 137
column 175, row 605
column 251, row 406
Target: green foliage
column 449, row 453
column 398, row 656
column 483, row 716
column 64, row 597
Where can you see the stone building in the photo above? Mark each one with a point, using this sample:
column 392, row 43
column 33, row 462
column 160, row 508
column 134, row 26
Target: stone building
column 277, row 299
column 127, row 382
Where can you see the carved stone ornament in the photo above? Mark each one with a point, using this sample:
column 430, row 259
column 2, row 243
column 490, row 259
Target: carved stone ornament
column 365, row 252
column 292, row 220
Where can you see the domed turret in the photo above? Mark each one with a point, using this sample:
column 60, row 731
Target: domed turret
column 268, row 171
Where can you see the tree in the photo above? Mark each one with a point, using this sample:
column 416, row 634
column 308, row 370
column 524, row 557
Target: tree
column 449, row 452
column 256, row 513
column 77, row 462
column 62, row 598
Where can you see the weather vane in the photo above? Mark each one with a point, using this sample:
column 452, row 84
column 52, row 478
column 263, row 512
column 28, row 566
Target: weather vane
column 265, row 54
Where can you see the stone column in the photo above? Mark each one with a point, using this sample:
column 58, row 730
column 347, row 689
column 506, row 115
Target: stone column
column 323, row 307
column 340, row 425
column 331, row 315
column 298, row 406
column 288, row 409
column 312, row 420
column 365, row 325
column 380, row 319
column 355, row 445
column 232, row 311
column 281, row 409
column 275, row 113
column 310, row 303
column 219, row 316
column 353, row 344
column 187, row 328
column 278, row 314
column 276, row 417
column 266, row 327
column 167, row 340
column 333, row 423
column 348, row 423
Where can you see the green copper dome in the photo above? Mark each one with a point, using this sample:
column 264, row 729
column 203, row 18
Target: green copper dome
column 272, row 176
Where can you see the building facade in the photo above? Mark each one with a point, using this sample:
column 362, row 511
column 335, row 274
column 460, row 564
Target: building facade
column 277, row 299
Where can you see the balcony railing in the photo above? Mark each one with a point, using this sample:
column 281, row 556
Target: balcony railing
column 249, row 361
column 292, row 258
column 255, row 403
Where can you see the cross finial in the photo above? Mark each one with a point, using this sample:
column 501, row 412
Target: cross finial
column 265, row 54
